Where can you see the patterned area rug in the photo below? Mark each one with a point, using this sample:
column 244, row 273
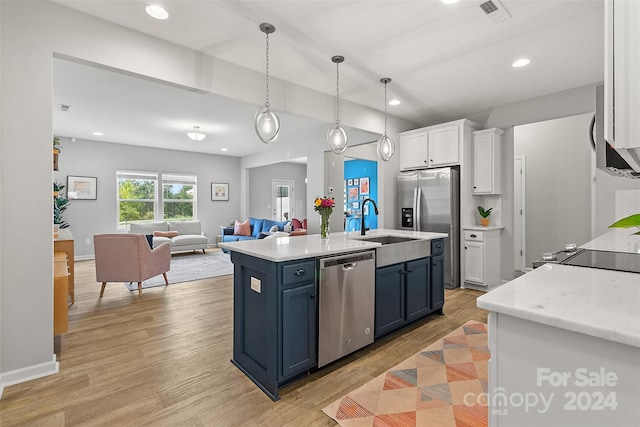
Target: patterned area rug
column 186, row 267
column 427, row 389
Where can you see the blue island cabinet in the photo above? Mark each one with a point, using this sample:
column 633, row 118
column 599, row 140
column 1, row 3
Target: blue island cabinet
column 408, row 291
column 274, row 320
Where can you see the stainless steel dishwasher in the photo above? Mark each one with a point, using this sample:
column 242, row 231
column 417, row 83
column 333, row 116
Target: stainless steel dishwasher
column 347, row 304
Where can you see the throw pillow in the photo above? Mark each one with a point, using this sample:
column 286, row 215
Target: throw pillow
column 149, row 240
column 296, row 223
column 242, row 228
column 273, row 229
column 165, row 233
column 288, row 227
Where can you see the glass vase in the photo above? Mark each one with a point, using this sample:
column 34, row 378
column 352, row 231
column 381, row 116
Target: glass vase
column 324, row 228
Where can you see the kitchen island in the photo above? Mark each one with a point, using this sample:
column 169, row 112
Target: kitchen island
column 565, row 343
column 276, row 296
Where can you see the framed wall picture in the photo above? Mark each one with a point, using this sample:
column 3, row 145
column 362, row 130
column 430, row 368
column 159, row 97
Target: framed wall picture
column 355, row 181
column 355, row 205
column 82, row 187
column 349, row 182
column 365, row 209
column 353, row 193
column 219, row 191
column 364, row 185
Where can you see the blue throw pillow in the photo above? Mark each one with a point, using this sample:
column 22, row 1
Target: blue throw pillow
column 267, row 224
column 149, row 240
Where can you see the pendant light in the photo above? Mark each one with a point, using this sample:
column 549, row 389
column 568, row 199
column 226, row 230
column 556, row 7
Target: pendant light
column 267, row 123
column 386, row 147
column 196, row 135
column 337, row 136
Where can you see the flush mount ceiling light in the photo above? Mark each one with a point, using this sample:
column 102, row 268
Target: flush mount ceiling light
column 337, row 136
column 386, row 147
column 522, row 62
column 98, row 133
column 267, row 123
column 157, row 12
column 196, row 135
column 394, row 102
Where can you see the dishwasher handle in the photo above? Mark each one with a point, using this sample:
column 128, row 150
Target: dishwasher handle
column 347, row 262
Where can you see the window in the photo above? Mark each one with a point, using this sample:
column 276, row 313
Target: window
column 140, row 199
column 178, row 197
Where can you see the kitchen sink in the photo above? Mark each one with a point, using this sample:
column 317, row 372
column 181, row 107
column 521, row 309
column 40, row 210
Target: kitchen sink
column 396, row 249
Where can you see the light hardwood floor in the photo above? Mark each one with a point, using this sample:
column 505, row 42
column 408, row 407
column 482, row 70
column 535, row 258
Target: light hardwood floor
column 163, row 359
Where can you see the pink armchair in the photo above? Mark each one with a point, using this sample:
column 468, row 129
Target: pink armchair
column 128, row 258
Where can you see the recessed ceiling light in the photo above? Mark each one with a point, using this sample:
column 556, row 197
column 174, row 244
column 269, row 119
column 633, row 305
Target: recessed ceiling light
column 449, row 1
column 96, row 133
column 394, row 102
column 157, row 12
column 224, row 149
column 522, row 62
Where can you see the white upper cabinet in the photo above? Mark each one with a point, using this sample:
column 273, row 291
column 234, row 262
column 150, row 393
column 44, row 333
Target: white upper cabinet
column 621, row 84
column 434, row 146
column 487, row 161
column 414, row 151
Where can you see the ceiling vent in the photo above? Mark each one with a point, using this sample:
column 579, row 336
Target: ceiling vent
column 64, row 108
column 495, row 10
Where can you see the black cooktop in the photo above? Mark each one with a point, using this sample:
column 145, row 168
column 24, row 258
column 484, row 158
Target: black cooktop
column 619, row 261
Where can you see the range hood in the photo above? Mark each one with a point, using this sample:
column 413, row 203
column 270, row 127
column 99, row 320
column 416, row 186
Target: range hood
column 607, row 158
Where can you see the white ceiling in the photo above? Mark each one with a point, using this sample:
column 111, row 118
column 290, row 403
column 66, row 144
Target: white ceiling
column 446, row 62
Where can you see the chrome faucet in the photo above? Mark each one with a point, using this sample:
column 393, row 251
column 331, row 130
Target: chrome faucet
column 363, row 230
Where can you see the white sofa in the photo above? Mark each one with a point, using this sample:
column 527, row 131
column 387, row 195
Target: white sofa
column 189, row 234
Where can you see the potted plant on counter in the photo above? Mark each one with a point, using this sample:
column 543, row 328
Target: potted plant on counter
column 628, row 222
column 484, row 214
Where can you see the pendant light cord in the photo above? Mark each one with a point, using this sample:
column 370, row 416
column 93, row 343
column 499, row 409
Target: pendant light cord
column 385, row 109
column 337, row 93
column 266, row 104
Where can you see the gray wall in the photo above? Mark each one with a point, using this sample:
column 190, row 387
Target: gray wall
column 558, row 183
column 102, row 160
column 260, row 188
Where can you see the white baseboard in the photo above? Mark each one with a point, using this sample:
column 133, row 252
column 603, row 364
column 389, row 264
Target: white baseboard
column 28, row 373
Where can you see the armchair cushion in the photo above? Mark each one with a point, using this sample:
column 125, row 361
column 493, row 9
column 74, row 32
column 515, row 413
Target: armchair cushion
column 256, row 226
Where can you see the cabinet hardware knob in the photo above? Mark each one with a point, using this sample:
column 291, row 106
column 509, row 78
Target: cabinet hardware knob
column 409, row 271
column 474, row 236
column 299, row 272
column 475, row 187
column 466, row 247
column 312, row 296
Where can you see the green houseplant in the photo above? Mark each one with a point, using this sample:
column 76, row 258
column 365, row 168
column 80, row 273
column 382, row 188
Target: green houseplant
column 630, row 221
column 60, row 204
column 484, row 214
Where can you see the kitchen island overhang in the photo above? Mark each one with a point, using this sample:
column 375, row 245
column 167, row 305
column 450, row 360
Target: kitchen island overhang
column 276, row 299
column 573, row 335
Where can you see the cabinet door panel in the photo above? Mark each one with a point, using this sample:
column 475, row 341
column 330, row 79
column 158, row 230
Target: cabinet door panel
column 413, row 151
column 482, row 164
column 418, row 300
column 298, row 329
column 437, row 282
column 389, row 299
column 474, row 262
column 444, row 146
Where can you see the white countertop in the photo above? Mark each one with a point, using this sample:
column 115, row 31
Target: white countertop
column 310, row 246
column 592, row 301
column 616, row 240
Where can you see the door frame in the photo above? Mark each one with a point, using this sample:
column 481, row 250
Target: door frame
column 519, row 194
column 274, row 193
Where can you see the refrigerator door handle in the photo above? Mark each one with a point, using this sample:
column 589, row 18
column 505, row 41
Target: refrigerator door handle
column 417, row 198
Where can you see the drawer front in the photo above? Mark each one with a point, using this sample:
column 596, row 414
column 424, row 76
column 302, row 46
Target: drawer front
column 299, row 272
column 474, row 235
column 437, row 247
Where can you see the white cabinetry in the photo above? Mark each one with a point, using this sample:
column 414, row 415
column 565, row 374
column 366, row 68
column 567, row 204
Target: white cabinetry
column 487, row 161
column 482, row 256
column 434, row 146
column 621, row 82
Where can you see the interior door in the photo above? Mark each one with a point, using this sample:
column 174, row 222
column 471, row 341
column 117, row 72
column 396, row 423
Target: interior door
column 282, row 201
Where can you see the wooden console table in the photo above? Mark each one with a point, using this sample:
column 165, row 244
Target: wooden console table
column 60, row 293
column 64, row 243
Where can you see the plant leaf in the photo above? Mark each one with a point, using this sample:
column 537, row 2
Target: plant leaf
column 630, row 221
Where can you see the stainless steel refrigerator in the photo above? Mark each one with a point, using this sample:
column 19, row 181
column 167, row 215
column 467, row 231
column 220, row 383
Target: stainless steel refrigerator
column 429, row 200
